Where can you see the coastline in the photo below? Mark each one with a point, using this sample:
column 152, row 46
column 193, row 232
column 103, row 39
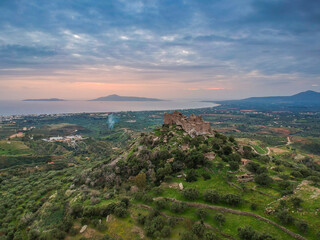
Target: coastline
column 61, row 108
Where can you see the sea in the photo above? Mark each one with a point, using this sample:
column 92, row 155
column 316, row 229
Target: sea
column 8, row 108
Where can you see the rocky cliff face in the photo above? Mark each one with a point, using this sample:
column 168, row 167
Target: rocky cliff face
column 194, row 125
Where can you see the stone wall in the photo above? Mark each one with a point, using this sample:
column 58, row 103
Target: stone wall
column 194, row 125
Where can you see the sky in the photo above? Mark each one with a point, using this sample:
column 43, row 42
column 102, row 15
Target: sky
column 199, row 49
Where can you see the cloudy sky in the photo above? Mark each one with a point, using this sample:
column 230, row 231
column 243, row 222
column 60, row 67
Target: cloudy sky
column 218, row 49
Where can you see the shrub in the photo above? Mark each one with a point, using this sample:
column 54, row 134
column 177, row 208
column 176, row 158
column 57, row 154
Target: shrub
column 191, row 193
column 234, row 166
column 232, row 199
column 284, row 216
column 296, row 201
column 154, row 225
column 227, row 150
column 161, row 203
column 296, row 174
column 235, row 157
column 140, row 180
column 120, row 211
column 264, row 159
column 201, row 213
column 302, row 226
column 188, row 236
column 198, row 229
column 211, row 196
column 253, row 206
column 263, row 179
column 252, row 167
column 165, row 232
column 141, row 219
column 209, row 236
column 177, row 207
column 125, row 201
column 191, row 176
column 206, row 176
column 246, row 233
column 220, row 218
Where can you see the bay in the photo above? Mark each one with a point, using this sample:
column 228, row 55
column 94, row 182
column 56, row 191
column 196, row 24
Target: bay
column 8, row 108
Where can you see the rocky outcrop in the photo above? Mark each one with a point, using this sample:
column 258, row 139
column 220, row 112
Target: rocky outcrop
column 194, row 125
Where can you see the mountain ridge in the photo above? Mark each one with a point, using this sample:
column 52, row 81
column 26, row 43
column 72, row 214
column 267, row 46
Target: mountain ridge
column 44, row 100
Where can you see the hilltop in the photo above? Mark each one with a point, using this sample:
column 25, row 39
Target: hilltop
column 115, row 97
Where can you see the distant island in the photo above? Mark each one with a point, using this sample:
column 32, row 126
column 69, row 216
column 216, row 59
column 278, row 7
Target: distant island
column 115, row 97
column 44, row 100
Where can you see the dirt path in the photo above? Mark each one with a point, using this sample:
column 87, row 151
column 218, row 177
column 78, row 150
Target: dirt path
column 269, row 151
column 238, row 212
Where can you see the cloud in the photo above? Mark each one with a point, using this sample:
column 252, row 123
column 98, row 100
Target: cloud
column 205, row 42
column 192, row 89
column 211, row 88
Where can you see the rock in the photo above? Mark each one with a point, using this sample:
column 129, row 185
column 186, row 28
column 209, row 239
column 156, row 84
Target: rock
column 194, row 125
column 180, row 186
column 210, row 155
column 108, row 218
column 134, row 189
column 170, row 160
column 83, row 228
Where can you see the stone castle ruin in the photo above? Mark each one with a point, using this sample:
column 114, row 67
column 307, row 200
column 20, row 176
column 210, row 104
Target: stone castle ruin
column 194, row 125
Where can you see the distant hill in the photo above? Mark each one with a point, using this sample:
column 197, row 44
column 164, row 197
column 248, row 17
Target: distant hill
column 304, row 101
column 115, row 97
column 307, row 96
column 44, row 100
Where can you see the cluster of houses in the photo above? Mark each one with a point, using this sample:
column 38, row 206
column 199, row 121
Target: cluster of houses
column 72, row 138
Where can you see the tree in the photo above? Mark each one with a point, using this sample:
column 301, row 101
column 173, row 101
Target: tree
column 232, row 199
column 160, row 203
column 206, row 176
column 302, row 226
column 263, row 179
column 211, row 196
column 177, row 207
column 209, row 236
column 188, row 236
column 234, row 166
column 227, row 150
column 165, row 232
column 120, row 211
column 140, row 180
column 252, row 167
column 191, row 193
column 296, row 202
column 246, row 233
column 191, row 176
column 284, row 216
column 198, row 229
column 220, row 218
column 201, row 213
